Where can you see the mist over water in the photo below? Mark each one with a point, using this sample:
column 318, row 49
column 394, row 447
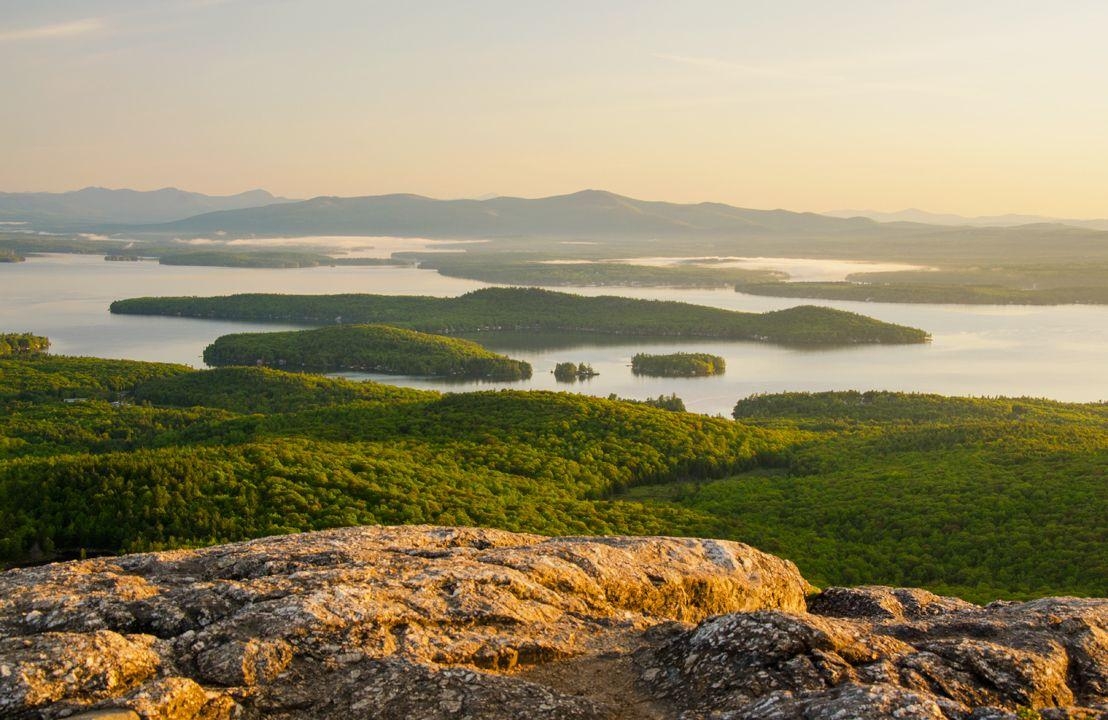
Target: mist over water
column 1058, row 352
column 797, row 269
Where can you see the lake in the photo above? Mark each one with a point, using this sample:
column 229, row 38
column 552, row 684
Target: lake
column 797, row 269
column 1058, row 352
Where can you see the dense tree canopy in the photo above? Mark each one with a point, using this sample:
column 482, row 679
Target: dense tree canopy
column 263, row 258
column 43, row 377
column 105, row 478
column 507, row 268
column 981, row 497
column 369, row 348
column 498, row 309
column 678, row 364
column 571, row 372
column 22, row 344
column 932, row 293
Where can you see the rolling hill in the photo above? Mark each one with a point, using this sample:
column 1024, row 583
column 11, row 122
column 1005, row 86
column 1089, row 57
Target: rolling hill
column 618, row 226
column 915, row 215
column 585, row 213
column 98, row 206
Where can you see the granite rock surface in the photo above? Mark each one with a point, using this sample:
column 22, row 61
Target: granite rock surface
column 435, row 622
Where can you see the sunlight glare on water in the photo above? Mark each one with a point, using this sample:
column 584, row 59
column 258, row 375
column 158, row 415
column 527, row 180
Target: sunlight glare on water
column 1059, row 352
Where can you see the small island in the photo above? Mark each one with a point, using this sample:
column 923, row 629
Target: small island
column 678, row 365
column 22, row 344
column 568, row 372
column 365, row 348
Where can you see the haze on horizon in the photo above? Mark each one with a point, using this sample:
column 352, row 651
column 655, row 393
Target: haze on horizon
column 972, row 108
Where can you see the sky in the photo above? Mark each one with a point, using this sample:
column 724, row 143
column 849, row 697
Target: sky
column 972, row 107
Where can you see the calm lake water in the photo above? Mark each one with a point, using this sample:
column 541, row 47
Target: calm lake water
column 1058, row 352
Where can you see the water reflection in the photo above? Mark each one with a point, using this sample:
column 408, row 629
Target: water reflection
column 1059, row 352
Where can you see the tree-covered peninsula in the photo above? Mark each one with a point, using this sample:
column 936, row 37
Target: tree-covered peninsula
column 542, row 270
column 933, row 293
column 22, row 344
column 678, row 365
column 263, row 258
column 529, row 309
column 365, row 348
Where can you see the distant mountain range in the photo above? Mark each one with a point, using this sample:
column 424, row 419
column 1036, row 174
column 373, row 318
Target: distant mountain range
column 621, row 223
column 581, row 214
column 99, row 206
column 922, row 216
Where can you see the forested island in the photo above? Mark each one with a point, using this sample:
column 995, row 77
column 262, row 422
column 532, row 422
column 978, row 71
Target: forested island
column 21, row 244
column 569, row 372
column 550, row 271
column 22, row 344
column 983, row 498
column 265, row 259
column 1009, row 274
column 366, row 348
column 530, row 309
column 678, row 365
column 173, row 251
column 922, row 293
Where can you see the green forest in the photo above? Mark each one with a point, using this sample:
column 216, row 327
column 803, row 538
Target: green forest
column 976, row 284
column 571, row 372
column 664, row 402
column 366, row 348
column 538, row 270
column 531, row 309
column 170, row 250
column 263, row 258
column 680, row 364
column 1030, row 265
column 983, row 498
column 932, row 293
column 23, row 244
column 22, row 344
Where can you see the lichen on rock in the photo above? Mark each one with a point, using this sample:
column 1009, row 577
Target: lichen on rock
column 432, row 622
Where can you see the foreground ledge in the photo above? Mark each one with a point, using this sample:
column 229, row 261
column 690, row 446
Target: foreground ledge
column 430, row 622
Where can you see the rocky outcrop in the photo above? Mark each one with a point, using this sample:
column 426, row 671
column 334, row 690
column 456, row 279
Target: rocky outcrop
column 423, row 622
column 883, row 603
column 962, row 662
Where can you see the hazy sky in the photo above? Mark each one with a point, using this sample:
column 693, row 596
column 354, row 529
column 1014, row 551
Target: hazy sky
column 973, row 106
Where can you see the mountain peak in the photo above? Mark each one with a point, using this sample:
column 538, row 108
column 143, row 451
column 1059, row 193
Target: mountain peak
column 593, row 194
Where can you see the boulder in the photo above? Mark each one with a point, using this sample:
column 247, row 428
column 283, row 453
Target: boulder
column 433, row 622
column 40, row 670
column 1046, row 655
column 875, row 602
